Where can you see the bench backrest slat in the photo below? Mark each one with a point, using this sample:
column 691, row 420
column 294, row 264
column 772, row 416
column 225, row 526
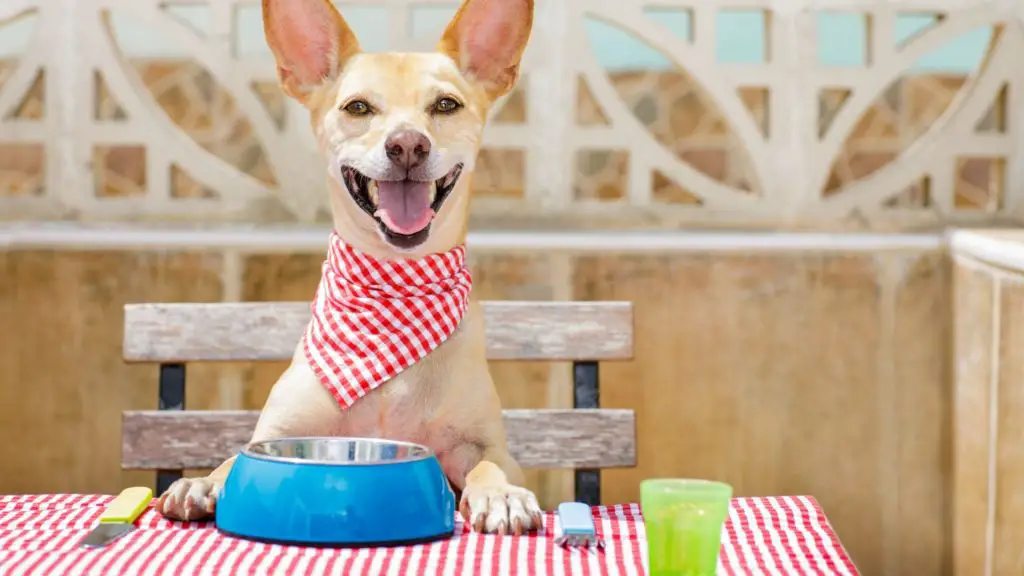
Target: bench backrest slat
column 177, row 440
column 269, row 331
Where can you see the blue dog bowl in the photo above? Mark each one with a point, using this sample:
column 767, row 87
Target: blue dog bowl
column 336, row 492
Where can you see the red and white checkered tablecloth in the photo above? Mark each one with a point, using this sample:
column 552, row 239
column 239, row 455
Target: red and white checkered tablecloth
column 39, row 535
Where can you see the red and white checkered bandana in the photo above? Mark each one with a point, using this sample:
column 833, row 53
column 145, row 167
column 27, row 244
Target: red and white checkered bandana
column 373, row 318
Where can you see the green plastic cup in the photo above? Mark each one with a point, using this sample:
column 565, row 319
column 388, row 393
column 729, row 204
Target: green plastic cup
column 683, row 519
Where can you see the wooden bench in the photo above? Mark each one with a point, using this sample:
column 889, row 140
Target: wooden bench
column 172, row 439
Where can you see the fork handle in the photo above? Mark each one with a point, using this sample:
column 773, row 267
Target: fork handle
column 577, row 519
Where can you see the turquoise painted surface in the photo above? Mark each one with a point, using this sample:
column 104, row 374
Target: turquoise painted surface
column 741, row 36
column 963, row 53
column 842, row 40
column 742, row 39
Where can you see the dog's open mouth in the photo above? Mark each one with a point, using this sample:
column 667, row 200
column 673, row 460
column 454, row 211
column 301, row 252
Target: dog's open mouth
column 404, row 209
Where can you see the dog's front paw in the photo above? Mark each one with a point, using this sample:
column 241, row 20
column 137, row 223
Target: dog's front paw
column 189, row 499
column 501, row 509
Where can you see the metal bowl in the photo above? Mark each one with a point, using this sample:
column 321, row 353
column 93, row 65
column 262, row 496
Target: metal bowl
column 336, row 492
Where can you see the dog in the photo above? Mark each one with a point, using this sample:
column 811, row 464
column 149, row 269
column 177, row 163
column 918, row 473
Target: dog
column 399, row 134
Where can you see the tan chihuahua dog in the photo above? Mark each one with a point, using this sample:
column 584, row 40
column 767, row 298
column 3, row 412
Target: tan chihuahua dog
column 400, row 133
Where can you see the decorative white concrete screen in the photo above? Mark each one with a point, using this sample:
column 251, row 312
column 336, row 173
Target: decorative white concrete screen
column 781, row 139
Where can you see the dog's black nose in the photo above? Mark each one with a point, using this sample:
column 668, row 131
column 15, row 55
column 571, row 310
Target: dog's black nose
column 407, row 149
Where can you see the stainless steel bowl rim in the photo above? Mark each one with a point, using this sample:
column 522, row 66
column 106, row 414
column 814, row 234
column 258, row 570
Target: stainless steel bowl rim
column 424, row 453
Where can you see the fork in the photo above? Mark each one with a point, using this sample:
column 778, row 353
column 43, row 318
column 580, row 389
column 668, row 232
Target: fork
column 577, row 526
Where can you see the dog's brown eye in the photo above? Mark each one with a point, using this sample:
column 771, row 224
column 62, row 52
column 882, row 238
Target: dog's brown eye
column 357, row 108
column 446, row 106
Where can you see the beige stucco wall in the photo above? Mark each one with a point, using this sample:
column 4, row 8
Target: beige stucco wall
column 787, row 371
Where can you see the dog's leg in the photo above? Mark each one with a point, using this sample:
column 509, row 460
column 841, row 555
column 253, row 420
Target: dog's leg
column 478, row 461
column 297, row 406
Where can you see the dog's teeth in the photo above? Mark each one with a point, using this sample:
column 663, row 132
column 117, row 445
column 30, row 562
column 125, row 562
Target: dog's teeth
column 374, row 192
column 433, row 190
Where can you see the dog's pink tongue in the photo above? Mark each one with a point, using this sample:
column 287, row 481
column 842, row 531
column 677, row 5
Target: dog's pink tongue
column 404, row 207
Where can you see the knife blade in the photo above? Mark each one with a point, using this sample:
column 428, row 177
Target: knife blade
column 119, row 517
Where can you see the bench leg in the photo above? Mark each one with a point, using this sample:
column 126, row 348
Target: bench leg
column 586, row 394
column 172, row 397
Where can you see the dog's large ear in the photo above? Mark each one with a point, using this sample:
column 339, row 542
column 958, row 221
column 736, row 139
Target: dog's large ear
column 310, row 41
column 486, row 38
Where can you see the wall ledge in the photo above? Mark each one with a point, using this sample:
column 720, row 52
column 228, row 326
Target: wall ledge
column 999, row 248
column 299, row 239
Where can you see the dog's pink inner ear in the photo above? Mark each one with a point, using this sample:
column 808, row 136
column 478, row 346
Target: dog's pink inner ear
column 309, row 39
column 487, row 39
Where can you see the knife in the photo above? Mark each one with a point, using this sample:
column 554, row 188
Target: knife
column 119, row 517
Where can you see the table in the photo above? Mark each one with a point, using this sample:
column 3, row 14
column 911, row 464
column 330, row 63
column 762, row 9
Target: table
column 39, row 535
